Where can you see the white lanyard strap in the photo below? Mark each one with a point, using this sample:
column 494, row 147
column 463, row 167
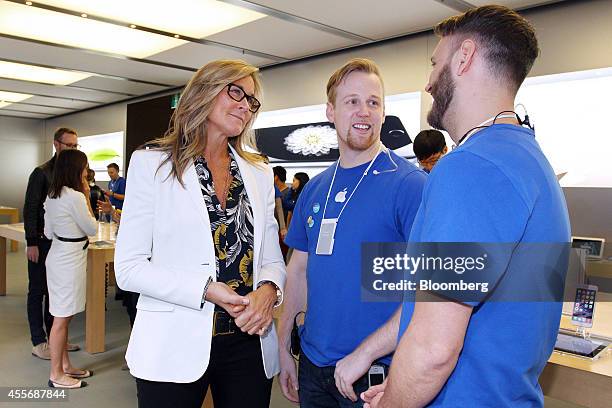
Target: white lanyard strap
column 331, row 185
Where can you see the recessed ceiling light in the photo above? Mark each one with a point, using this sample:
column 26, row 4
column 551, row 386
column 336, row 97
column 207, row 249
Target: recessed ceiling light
column 193, row 18
column 33, row 73
column 132, row 25
column 28, row 3
column 11, row 97
column 84, row 15
column 177, row 36
column 41, row 24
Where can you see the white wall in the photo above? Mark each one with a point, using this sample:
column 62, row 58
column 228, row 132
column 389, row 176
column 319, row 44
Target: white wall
column 22, row 148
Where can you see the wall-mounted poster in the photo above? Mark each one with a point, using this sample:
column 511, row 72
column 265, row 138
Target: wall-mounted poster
column 304, row 136
column 101, row 150
column 316, row 142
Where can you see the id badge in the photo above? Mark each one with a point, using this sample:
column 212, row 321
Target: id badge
column 325, row 242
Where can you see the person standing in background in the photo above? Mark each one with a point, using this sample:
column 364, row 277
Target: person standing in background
column 280, row 192
column 116, row 186
column 38, row 245
column 429, row 146
column 299, row 181
column 95, row 192
column 69, row 221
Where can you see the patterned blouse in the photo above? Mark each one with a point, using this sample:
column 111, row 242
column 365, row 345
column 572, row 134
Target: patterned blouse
column 232, row 229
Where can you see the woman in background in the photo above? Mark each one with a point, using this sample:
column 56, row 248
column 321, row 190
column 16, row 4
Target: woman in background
column 299, row 181
column 69, row 220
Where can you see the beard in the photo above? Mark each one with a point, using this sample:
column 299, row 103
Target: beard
column 442, row 92
column 359, row 143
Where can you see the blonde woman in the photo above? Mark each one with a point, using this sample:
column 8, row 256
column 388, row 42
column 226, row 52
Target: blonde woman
column 198, row 241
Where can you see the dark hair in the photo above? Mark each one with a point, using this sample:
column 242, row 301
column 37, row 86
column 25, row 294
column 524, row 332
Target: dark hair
column 280, row 172
column 114, row 166
column 427, row 143
column 68, row 169
column 303, row 179
column 508, row 39
column 91, row 175
column 60, row 132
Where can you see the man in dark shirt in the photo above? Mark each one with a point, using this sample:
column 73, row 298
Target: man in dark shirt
column 95, row 193
column 38, row 246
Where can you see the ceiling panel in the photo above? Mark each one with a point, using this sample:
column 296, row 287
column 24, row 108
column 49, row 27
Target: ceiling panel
column 196, row 55
column 364, row 17
column 35, row 109
column 4, row 112
column 119, row 85
column 514, row 4
column 62, row 103
column 61, row 91
column 82, row 60
column 282, row 38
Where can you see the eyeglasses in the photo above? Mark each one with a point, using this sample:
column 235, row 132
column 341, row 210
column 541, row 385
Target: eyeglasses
column 237, row 93
column 69, row 145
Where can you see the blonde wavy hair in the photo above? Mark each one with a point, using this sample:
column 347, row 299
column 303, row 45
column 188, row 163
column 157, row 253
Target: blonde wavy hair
column 186, row 135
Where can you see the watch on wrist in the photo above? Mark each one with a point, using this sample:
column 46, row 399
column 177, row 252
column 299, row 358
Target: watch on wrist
column 279, row 294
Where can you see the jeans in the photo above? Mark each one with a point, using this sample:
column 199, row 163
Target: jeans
column 38, row 297
column 318, row 386
column 235, row 375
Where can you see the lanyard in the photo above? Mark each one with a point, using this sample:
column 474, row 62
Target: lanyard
column 331, row 185
column 475, row 129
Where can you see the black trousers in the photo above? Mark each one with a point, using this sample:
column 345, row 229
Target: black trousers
column 130, row 300
column 235, row 375
column 39, row 318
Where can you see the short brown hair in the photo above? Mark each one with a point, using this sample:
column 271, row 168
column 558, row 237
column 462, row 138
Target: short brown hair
column 114, row 166
column 60, row 132
column 355, row 64
column 509, row 40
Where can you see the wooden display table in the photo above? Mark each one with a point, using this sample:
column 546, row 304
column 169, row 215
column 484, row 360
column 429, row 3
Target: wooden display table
column 13, row 214
column 97, row 259
column 581, row 381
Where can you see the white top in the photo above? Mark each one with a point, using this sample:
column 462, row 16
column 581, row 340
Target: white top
column 68, row 216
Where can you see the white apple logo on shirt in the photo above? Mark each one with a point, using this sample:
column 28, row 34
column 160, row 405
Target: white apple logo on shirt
column 341, row 196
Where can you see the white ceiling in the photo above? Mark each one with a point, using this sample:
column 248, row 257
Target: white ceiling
column 292, row 29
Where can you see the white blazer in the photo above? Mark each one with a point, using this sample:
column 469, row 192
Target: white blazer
column 165, row 252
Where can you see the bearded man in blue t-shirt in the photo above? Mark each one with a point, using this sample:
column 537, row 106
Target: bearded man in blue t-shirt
column 369, row 195
column 495, row 187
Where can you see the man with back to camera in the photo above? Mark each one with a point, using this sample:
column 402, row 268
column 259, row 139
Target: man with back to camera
column 116, row 186
column 370, row 194
column 495, row 187
column 39, row 318
column 429, row 146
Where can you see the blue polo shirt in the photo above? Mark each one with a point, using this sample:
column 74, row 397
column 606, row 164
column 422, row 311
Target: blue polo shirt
column 118, row 187
column 497, row 187
column 381, row 210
